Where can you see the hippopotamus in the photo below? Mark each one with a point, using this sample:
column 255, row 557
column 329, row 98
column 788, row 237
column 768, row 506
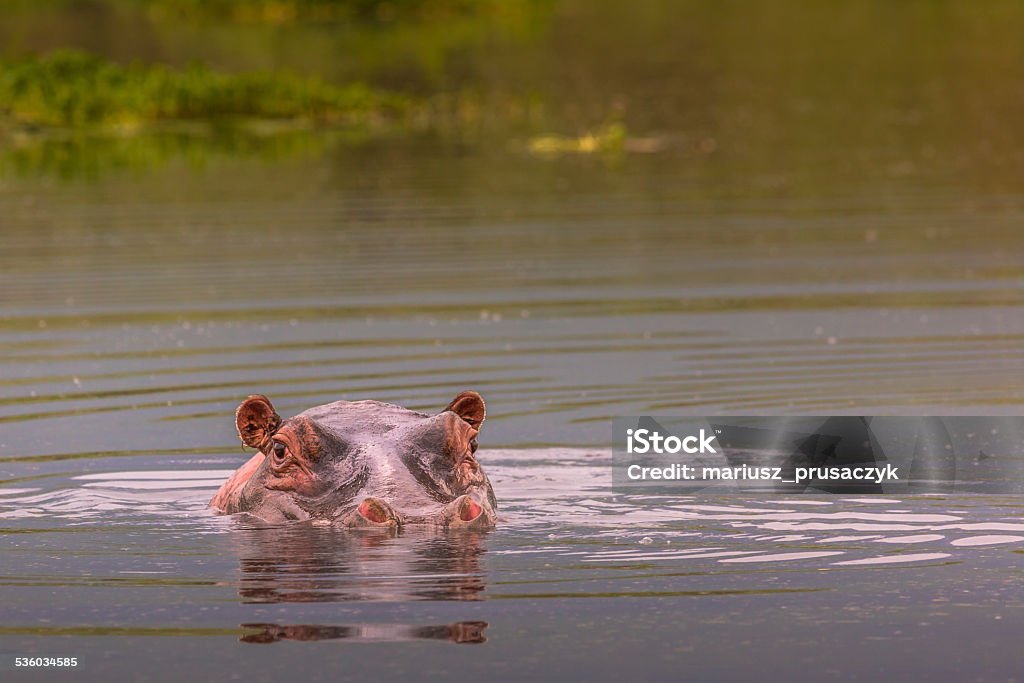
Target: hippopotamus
column 362, row 464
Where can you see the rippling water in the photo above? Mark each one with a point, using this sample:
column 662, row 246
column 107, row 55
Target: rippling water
column 138, row 312
column 128, row 568
column 805, row 240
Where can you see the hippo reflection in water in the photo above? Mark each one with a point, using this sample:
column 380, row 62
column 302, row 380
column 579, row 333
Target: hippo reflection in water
column 362, row 464
column 461, row 632
column 306, row 563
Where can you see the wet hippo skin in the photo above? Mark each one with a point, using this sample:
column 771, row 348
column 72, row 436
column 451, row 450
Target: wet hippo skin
column 362, row 464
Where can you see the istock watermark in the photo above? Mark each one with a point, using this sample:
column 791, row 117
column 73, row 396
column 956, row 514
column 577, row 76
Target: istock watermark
column 837, row 454
column 647, row 441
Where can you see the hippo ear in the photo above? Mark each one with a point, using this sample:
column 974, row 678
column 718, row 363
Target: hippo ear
column 469, row 405
column 256, row 421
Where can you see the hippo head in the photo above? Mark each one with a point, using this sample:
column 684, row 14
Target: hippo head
column 362, row 464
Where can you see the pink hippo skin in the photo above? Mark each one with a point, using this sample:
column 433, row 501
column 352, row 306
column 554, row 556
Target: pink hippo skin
column 362, row 464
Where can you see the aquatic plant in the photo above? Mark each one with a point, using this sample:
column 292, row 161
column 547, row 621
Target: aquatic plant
column 71, row 89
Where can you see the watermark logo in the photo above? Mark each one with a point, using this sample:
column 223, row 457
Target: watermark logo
column 831, row 454
column 647, row 441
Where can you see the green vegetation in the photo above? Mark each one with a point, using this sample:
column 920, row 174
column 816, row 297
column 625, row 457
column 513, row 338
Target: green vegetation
column 77, row 114
column 741, row 92
column 271, row 79
column 71, row 154
column 72, row 89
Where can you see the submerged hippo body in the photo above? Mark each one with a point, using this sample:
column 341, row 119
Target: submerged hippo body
column 362, row 464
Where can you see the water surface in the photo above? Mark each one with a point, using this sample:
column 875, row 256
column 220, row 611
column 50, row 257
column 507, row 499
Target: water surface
column 820, row 230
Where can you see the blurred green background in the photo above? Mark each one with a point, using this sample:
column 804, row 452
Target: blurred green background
column 790, row 91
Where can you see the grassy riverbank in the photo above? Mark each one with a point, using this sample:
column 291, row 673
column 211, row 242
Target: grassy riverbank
column 71, row 111
column 71, row 89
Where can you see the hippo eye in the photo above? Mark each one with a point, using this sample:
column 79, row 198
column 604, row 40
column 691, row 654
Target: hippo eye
column 280, row 453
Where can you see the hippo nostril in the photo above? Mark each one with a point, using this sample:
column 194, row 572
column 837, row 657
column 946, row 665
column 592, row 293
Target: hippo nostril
column 469, row 510
column 374, row 511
